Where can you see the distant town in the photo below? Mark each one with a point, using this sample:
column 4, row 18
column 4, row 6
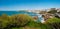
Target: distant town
column 37, row 11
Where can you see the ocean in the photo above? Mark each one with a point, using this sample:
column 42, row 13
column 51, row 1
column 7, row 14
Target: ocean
column 23, row 12
column 17, row 12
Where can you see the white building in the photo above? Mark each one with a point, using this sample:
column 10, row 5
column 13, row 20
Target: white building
column 35, row 11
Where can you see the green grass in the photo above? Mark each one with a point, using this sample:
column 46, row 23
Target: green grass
column 30, row 25
column 53, row 20
column 33, row 24
column 38, row 25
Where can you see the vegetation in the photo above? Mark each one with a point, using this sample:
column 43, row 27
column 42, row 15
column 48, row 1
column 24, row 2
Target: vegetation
column 23, row 21
column 15, row 20
column 53, row 20
column 54, row 23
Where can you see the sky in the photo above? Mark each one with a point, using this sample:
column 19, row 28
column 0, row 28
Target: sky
column 16, row 5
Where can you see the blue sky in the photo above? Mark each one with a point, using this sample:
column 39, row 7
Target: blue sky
column 15, row 5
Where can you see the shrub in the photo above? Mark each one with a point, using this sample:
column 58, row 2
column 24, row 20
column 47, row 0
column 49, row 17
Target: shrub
column 4, row 21
column 14, row 20
column 54, row 23
column 53, row 20
column 20, row 20
column 23, row 19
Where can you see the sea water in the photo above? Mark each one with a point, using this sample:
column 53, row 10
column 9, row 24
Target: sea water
column 40, row 18
column 15, row 12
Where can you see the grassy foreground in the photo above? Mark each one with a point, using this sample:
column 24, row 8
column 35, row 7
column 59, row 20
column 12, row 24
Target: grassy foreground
column 23, row 21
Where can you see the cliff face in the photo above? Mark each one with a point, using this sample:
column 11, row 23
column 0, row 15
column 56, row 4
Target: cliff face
column 57, row 15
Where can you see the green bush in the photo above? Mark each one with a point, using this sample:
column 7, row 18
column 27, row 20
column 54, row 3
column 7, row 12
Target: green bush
column 33, row 24
column 4, row 21
column 23, row 19
column 53, row 20
column 14, row 20
column 19, row 20
column 54, row 23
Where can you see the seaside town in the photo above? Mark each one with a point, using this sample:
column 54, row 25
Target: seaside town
column 29, row 14
column 47, row 13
